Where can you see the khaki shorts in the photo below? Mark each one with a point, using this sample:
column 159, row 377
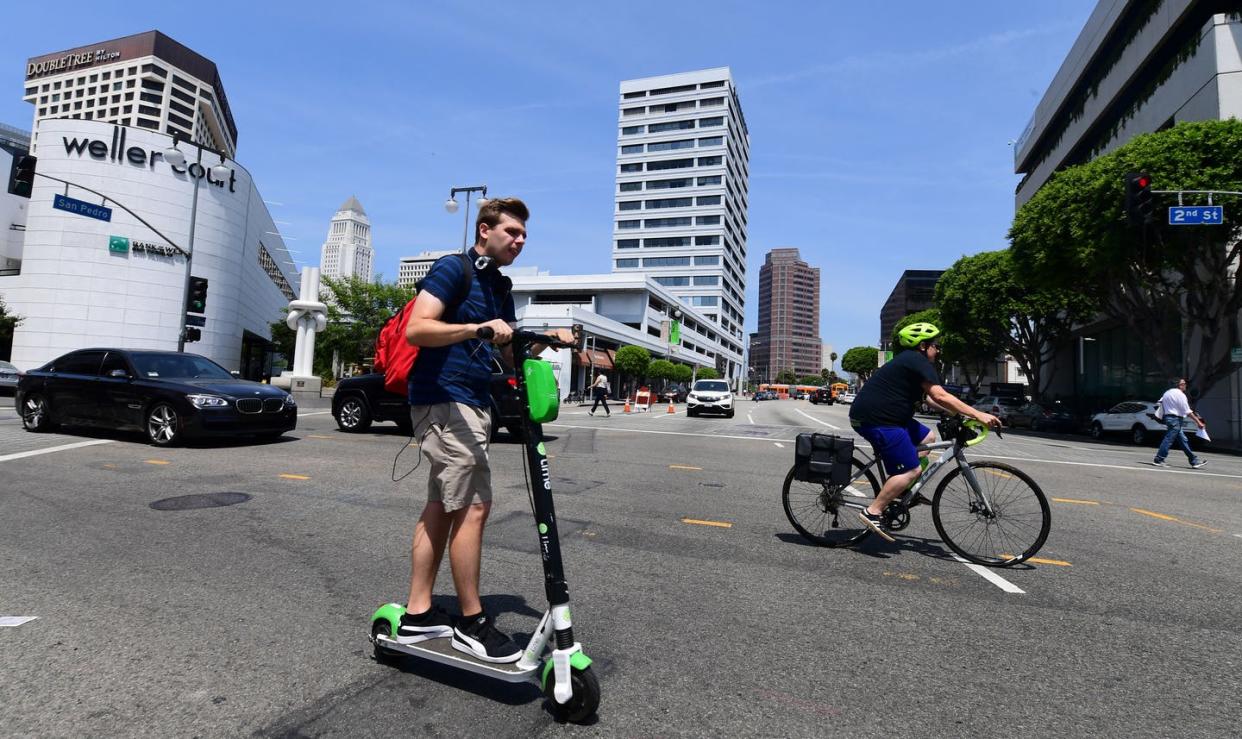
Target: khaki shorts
column 453, row 438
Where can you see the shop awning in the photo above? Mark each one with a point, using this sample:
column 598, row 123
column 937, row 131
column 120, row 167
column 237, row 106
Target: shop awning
column 602, row 359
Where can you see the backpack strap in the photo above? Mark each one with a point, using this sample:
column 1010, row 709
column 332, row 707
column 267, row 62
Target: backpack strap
column 463, row 285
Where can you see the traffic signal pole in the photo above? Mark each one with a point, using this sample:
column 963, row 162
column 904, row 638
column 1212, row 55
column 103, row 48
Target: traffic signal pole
column 185, row 288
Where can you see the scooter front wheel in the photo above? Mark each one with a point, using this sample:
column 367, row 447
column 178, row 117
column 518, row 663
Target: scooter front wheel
column 383, row 655
column 583, row 703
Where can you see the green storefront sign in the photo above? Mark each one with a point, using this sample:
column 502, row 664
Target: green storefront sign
column 118, row 244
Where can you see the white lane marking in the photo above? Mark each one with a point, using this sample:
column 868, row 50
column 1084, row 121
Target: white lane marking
column 782, row 446
column 816, row 420
column 664, row 433
column 314, row 413
column 750, row 418
column 49, row 450
column 15, row 620
column 991, row 576
column 1131, row 468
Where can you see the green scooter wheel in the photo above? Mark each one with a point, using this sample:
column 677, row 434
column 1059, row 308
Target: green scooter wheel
column 383, row 655
column 583, row 703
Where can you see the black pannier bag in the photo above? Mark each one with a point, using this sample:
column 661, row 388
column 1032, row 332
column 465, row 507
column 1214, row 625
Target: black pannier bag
column 823, row 458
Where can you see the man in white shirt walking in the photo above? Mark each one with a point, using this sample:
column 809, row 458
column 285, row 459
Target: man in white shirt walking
column 1175, row 409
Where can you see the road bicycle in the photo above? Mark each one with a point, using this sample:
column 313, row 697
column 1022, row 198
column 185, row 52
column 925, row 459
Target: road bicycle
column 987, row 512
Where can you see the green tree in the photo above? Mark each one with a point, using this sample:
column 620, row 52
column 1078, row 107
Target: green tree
column 860, row 361
column 833, row 365
column 707, row 373
column 785, row 377
column 811, row 380
column 661, row 369
column 8, row 323
column 682, row 373
column 984, row 298
column 1073, row 235
column 633, row 362
column 824, row 374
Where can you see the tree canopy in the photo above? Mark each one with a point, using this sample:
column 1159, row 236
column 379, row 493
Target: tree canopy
column 633, row 360
column 1073, row 235
column 860, row 361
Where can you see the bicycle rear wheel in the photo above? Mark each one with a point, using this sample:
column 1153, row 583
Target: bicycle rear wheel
column 818, row 511
column 1015, row 529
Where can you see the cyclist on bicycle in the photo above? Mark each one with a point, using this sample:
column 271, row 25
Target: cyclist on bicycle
column 883, row 414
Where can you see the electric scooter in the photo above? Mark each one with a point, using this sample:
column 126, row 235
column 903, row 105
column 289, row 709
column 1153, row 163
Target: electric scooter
column 552, row 658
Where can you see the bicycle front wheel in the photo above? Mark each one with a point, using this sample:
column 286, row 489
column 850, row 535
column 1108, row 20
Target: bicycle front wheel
column 1014, row 529
column 819, row 512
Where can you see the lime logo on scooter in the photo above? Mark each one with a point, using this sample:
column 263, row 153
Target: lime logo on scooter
column 541, row 449
column 543, row 528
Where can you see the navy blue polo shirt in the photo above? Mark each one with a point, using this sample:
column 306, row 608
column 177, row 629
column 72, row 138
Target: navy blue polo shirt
column 460, row 372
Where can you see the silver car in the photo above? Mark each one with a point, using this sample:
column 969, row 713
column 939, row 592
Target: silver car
column 8, row 378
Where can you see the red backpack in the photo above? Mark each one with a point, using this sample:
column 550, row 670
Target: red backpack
column 394, row 356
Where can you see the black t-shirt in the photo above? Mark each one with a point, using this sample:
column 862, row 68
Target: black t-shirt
column 889, row 397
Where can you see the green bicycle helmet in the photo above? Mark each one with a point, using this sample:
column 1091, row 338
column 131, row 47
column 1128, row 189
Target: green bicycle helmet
column 916, row 333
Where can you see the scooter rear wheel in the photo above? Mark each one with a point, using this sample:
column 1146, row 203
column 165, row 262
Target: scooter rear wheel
column 583, row 703
column 383, row 655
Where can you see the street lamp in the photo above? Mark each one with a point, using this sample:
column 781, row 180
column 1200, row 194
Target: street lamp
column 176, row 158
column 451, row 206
column 1081, row 352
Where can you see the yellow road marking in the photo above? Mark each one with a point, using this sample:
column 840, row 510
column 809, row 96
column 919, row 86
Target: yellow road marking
column 1075, row 501
column 721, row 524
column 109, row 467
column 317, row 436
column 295, row 477
column 1175, row 519
column 158, row 461
column 1042, row 561
column 684, row 467
column 998, row 474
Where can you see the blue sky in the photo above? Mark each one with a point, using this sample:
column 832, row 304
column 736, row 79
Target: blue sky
column 879, row 133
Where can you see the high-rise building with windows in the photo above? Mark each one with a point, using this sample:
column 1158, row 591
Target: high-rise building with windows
column 788, row 335
column 146, row 80
column 914, row 291
column 348, row 252
column 412, row 269
column 681, row 200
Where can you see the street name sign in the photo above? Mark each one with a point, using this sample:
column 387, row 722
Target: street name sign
column 1196, row 215
column 82, row 208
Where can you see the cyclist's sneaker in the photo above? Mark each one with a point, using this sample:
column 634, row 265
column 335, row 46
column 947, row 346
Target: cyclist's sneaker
column 478, row 636
column 434, row 624
column 1198, row 463
column 875, row 523
column 1160, row 463
column 918, row 499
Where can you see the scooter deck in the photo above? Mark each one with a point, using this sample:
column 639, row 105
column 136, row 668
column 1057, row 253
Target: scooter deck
column 441, row 650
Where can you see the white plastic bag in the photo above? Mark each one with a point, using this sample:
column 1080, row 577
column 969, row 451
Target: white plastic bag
column 1203, row 434
column 1159, row 411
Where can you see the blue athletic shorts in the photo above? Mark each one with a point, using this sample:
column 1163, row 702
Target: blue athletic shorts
column 894, row 445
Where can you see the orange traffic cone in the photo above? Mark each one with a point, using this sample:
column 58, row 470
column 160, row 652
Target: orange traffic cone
column 627, row 405
column 671, row 409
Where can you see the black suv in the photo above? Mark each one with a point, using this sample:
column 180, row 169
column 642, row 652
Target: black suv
column 360, row 401
column 822, row 395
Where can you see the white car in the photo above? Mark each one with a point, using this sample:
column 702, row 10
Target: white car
column 999, row 406
column 710, row 396
column 846, row 397
column 1134, row 417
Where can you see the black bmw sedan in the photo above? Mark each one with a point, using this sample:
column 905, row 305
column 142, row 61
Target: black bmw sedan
column 169, row 396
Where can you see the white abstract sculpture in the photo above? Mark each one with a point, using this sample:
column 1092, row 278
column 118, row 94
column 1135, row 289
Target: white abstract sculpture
column 307, row 316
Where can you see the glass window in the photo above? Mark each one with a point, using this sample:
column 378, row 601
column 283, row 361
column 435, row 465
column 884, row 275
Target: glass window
column 79, row 363
column 704, row 300
column 671, row 126
column 633, row 111
column 706, row 240
column 712, row 141
column 667, row 184
column 709, row 85
column 632, row 95
column 628, row 224
column 666, row 222
column 627, row 243
column 114, row 361
column 667, row 242
column 177, row 365
column 707, row 280
column 666, row 262
column 636, row 167
column 670, row 203
column 709, row 220
column 671, row 145
column 672, row 281
column 630, row 205
column 710, row 161
column 670, row 164
column 671, row 90
column 700, row 261
column 632, row 149
column 709, row 200
column 708, row 102
column 632, row 130
column 710, row 122
column 626, row 263
column 631, row 186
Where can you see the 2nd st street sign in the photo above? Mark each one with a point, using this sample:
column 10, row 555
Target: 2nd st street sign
column 1196, row 215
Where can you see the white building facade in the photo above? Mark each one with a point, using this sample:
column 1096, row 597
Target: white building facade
column 683, row 153
column 103, row 277
column 146, row 80
column 347, row 252
column 412, row 269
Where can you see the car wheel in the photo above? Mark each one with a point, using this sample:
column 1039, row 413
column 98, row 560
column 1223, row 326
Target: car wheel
column 163, row 425
column 729, row 414
column 353, row 416
column 36, row 416
column 1097, row 430
column 1138, row 434
column 691, row 412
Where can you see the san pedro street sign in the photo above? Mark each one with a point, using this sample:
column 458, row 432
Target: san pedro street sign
column 82, row 208
column 1196, row 215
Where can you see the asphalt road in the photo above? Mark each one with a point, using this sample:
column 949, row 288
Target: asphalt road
column 251, row 619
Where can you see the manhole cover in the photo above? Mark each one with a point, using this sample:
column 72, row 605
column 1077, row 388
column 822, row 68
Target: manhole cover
column 204, row 500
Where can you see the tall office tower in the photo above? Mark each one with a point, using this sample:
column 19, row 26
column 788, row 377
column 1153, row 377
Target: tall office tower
column 915, row 291
column 412, row 269
column 682, row 194
column 348, row 252
column 788, row 335
column 145, row 80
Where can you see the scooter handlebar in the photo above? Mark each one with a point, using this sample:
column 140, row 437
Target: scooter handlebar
column 528, row 337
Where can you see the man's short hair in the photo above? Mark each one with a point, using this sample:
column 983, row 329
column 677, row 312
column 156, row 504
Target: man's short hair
column 491, row 211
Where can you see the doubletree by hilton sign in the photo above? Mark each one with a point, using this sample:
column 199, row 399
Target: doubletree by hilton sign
column 70, row 62
column 137, row 156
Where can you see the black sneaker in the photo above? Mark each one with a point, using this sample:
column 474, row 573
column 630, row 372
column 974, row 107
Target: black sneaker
column 875, row 523
column 434, row 624
column 478, row 636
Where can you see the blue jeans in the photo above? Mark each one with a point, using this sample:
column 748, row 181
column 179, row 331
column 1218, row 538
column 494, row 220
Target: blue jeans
column 1175, row 424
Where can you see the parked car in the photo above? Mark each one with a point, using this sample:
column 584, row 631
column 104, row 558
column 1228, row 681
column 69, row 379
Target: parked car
column 1039, row 417
column 8, row 378
column 764, row 395
column 675, row 393
column 822, row 395
column 846, row 397
column 999, row 405
column 169, row 396
column 1135, row 417
column 360, row 401
column 711, row 396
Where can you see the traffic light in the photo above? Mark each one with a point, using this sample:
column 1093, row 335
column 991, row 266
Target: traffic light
column 198, row 295
column 193, row 333
column 1139, row 206
column 21, row 177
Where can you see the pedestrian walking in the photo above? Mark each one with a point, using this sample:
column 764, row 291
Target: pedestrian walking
column 1174, row 409
column 599, row 389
